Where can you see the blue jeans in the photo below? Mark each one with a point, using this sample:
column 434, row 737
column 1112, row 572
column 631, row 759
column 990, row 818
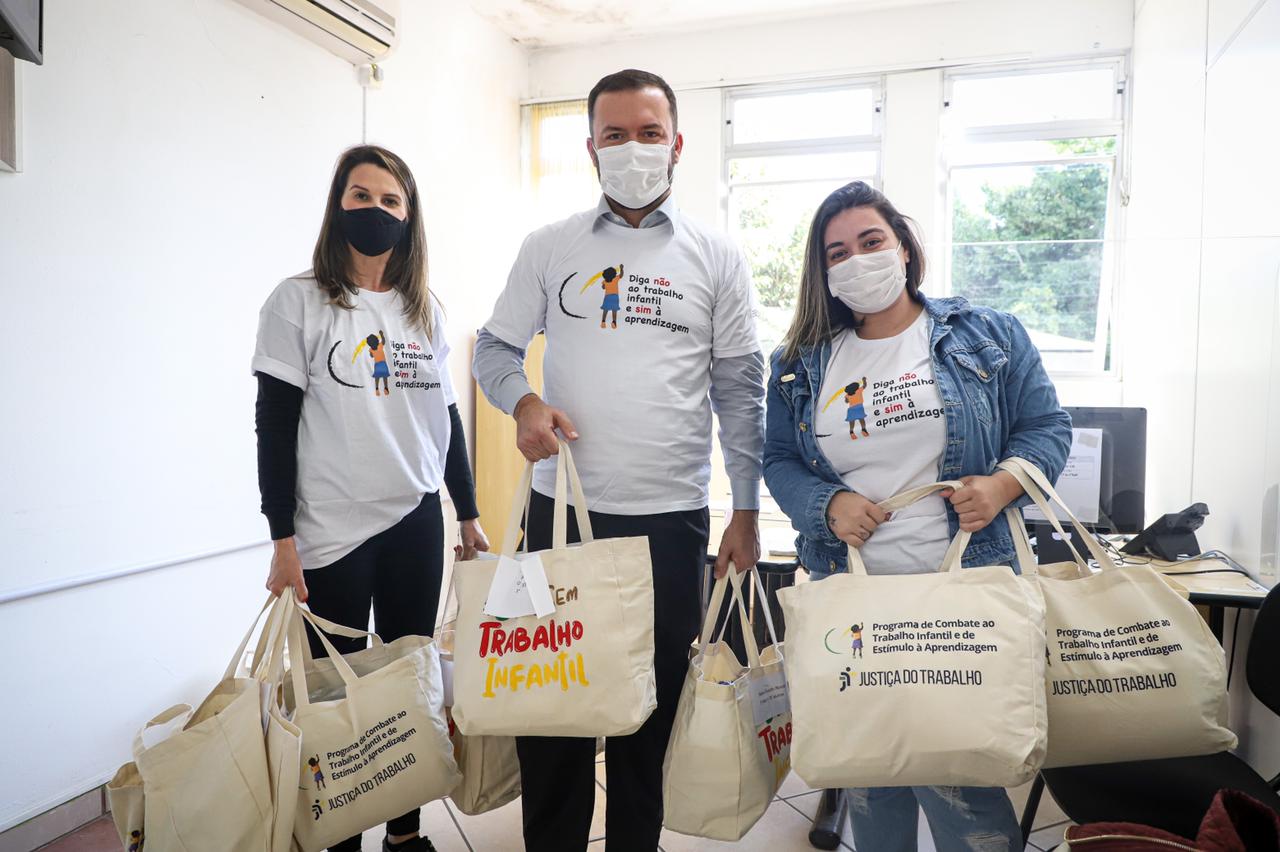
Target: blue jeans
column 962, row 819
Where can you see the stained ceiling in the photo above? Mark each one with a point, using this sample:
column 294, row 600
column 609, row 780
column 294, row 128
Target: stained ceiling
column 551, row 23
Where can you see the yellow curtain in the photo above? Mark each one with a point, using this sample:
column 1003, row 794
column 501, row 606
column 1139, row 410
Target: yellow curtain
column 561, row 176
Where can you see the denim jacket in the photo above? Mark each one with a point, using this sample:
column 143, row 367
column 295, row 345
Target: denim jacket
column 997, row 401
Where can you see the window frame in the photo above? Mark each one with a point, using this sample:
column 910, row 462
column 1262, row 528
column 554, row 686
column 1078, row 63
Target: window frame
column 873, row 143
column 870, row 143
column 1117, row 197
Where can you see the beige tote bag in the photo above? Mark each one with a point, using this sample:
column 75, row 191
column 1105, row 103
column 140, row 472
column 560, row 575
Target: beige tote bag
column 125, row 798
column 918, row 679
column 722, row 768
column 374, row 747
column 1134, row 673
column 283, row 739
column 585, row 670
column 489, row 766
column 206, row 775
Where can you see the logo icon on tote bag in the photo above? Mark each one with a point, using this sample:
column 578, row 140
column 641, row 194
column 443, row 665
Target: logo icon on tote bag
column 854, row 631
column 316, row 772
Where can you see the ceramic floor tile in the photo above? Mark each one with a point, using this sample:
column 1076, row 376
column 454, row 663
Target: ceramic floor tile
column 497, row 830
column 1047, row 814
column 1049, row 837
column 597, row 816
column 600, row 776
column 781, row 829
column 435, row 823
column 501, row 830
column 98, row 836
column 805, row 803
column 793, row 786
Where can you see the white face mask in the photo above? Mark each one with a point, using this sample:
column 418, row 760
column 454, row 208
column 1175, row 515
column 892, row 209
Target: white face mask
column 634, row 174
column 868, row 283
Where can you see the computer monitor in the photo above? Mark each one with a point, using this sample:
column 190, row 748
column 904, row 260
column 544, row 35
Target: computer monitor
column 1105, row 480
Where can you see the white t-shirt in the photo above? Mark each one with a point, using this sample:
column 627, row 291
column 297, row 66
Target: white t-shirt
column 375, row 425
column 637, row 392
column 880, row 423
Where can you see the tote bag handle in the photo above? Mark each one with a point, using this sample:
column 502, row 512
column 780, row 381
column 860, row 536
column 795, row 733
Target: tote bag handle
column 732, row 580
column 566, row 477
column 955, row 553
column 1038, row 487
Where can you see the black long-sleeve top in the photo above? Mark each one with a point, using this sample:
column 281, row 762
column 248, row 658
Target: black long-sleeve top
column 277, row 414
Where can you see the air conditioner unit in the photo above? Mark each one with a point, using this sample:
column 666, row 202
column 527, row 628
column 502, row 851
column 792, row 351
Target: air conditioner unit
column 360, row 31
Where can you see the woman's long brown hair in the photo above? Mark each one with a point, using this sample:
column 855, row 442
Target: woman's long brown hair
column 406, row 268
column 819, row 315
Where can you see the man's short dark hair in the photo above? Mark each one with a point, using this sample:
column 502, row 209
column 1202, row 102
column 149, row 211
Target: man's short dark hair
column 629, row 80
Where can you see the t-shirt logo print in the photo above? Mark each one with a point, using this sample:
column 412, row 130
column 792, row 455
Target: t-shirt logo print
column 609, row 278
column 378, row 352
column 377, row 347
column 857, row 412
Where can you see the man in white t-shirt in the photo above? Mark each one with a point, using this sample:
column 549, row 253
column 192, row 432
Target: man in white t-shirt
column 634, row 391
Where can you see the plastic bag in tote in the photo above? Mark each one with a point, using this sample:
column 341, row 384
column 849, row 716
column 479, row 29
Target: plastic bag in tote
column 730, row 747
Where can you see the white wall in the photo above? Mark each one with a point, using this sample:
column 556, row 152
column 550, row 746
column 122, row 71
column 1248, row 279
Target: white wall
column 1203, row 264
column 1203, row 273
column 177, row 159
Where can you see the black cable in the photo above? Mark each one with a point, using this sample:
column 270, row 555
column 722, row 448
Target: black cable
column 1205, row 571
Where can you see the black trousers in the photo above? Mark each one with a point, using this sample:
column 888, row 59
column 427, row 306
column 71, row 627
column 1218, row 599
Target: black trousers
column 398, row 572
column 558, row 773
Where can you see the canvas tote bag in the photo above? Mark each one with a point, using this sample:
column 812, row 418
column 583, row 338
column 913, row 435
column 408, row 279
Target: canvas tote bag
column 586, row 670
column 1134, row 673
column 203, row 778
column 489, row 766
column 722, row 769
column 375, row 745
column 918, row 679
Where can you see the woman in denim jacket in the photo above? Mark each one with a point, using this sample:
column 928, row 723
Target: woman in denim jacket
column 877, row 389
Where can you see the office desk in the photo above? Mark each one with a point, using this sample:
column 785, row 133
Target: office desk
column 1214, row 584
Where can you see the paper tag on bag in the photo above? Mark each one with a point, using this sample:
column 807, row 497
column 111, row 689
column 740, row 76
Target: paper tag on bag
column 769, row 696
column 535, row 578
column 508, row 593
column 519, row 588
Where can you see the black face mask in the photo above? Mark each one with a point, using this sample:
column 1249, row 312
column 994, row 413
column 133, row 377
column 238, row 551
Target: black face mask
column 371, row 230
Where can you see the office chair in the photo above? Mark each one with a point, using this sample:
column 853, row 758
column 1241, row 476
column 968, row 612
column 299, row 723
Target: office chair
column 1174, row 793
